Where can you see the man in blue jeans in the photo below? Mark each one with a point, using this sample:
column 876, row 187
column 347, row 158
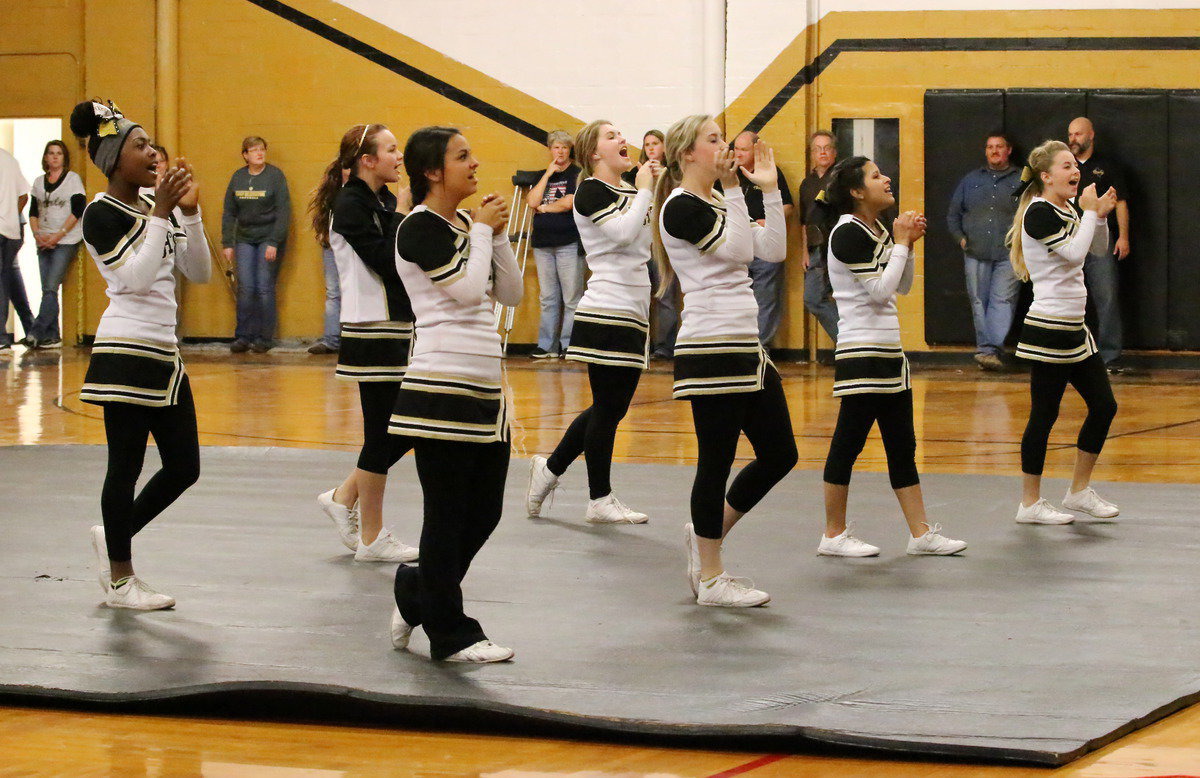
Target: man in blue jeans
column 981, row 213
column 818, row 293
column 1100, row 270
column 766, row 278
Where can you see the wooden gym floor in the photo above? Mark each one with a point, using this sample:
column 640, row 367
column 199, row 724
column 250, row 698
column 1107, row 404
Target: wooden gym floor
column 967, row 422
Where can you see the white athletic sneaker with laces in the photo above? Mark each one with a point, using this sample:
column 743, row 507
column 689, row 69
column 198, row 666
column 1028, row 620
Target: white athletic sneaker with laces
column 385, row 548
column 933, row 543
column 345, row 519
column 481, row 653
column 541, row 484
column 845, row 544
column 100, row 546
column 134, row 593
column 693, row 555
column 1042, row 512
column 1087, row 501
column 610, row 510
column 725, row 591
column 401, row 630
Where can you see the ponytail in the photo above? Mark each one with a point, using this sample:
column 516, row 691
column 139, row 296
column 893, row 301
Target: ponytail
column 1041, row 160
column 681, row 138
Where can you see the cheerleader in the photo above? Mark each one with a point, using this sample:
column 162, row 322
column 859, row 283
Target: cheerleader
column 452, row 402
column 135, row 373
column 358, row 220
column 1049, row 241
column 612, row 326
column 867, row 268
column 708, row 240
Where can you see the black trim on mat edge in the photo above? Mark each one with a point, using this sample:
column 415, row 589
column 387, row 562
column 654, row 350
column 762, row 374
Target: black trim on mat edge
column 809, row 73
column 401, row 68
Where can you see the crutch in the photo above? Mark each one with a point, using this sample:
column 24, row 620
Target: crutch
column 523, row 220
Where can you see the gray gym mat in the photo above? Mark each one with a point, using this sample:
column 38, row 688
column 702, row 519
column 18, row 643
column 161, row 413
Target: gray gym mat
column 1038, row 644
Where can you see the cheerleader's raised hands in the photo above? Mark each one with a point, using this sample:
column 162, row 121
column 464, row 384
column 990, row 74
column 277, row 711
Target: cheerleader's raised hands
column 764, row 175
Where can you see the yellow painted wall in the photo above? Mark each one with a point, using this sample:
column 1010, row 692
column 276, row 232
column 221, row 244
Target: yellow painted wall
column 245, row 71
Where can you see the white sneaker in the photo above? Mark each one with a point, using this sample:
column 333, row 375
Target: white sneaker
column 401, row 630
column 541, row 483
column 482, row 652
column 725, row 591
column 1042, row 512
column 845, row 544
column 1087, row 501
column 934, row 544
column 136, row 594
column 100, row 546
column 345, row 519
column 385, row 548
column 693, row 555
column 610, row 510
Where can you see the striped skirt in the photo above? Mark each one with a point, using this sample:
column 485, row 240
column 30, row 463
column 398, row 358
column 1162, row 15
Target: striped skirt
column 718, row 366
column 375, row 351
column 448, row 407
column 870, row 368
column 1055, row 339
column 126, row 370
column 609, row 338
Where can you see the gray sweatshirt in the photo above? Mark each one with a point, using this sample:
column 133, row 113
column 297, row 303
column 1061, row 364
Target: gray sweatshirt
column 257, row 208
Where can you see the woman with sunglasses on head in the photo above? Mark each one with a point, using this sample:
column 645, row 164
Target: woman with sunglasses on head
column 358, row 219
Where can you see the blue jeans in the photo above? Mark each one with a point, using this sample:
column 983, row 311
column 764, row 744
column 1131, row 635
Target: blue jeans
column 1100, row 276
column 12, row 288
column 818, row 294
column 666, row 314
column 256, row 293
column 560, row 282
column 333, row 302
column 993, row 289
column 766, row 279
column 53, row 264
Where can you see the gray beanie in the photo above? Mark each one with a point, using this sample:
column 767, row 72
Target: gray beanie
column 105, row 128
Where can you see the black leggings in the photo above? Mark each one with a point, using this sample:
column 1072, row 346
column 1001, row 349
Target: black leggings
column 463, row 484
column 380, row 450
column 719, row 419
column 858, row 413
column 127, row 427
column 1047, row 382
column 593, row 431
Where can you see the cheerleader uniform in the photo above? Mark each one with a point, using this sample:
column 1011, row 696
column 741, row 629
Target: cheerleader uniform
column 871, row 374
column 1055, row 242
column 452, row 403
column 720, row 365
column 376, row 334
column 135, row 372
column 611, row 330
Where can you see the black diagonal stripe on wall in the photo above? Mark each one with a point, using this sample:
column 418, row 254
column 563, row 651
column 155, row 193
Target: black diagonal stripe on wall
column 809, row 73
column 401, row 68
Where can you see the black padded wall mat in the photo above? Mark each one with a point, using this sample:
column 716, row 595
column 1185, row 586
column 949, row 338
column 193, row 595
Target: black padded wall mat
column 1131, row 128
column 1183, row 207
column 1149, row 132
column 950, row 152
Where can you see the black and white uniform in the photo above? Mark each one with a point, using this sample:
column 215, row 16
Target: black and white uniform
column 377, row 330
column 612, row 323
column 871, row 374
column 135, row 372
column 452, row 402
column 1055, row 242
column 720, row 365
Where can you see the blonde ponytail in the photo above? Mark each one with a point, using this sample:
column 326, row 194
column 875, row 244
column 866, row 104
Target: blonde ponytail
column 1041, row 160
column 681, row 138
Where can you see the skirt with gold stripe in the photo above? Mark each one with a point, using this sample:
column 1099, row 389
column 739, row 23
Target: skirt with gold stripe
column 718, row 366
column 1055, row 339
column 870, row 368
column 612, row 338
column 448, row 407
column 126, row 370
column 375, row 351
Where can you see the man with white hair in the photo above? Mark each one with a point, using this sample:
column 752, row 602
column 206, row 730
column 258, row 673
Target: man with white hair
column 1100, row 270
